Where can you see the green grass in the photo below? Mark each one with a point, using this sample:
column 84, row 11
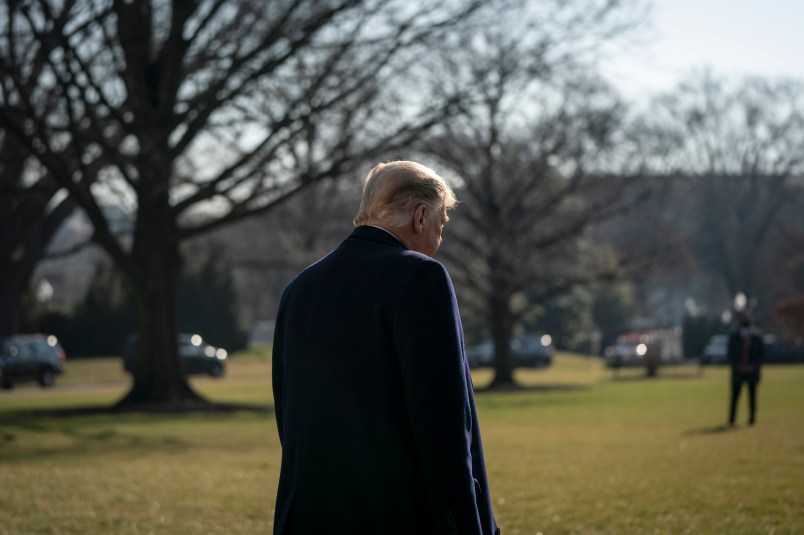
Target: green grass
column 579, row 452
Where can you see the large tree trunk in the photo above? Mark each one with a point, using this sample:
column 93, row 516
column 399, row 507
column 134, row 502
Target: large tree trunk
column 15, row 277
column 9, row 306
column 18, row 265
column 27, row 230
column 502, row 327
column 159, row 377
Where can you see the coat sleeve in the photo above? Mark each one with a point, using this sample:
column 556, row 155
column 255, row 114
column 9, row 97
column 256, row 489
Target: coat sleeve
column 278, row 368
column 428, row 341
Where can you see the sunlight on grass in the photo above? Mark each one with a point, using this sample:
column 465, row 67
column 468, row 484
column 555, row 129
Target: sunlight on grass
column 579, row 451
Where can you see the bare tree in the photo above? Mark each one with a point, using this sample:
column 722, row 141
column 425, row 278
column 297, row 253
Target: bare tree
column 738, row 145
column 31, row 205
column 197, row 114
column 304, row 229
column 533, row 156
column 30, row 214
column 782, row 272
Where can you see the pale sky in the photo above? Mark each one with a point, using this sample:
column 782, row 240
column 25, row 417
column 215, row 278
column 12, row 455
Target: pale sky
column 731, row 37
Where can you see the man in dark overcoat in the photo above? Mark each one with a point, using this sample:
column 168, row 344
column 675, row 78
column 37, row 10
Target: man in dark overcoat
column 374, row 401
column 746, row 353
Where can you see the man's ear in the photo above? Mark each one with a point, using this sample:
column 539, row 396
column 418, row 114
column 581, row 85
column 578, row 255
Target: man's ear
column 419, row 217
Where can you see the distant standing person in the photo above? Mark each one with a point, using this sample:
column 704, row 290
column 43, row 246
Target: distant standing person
column 373, row 397
column 746, row 353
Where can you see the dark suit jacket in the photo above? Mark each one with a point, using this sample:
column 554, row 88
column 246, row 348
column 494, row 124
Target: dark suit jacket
column 756, row 354
column 374, row 400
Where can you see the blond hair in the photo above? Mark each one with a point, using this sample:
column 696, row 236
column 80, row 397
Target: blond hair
column 392, row 189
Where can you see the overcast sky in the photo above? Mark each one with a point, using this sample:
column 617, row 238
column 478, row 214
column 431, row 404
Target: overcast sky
column 732, row 37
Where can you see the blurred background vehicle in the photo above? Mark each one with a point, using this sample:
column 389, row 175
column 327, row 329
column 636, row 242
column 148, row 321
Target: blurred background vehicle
column 716, row 350
column 33, row 356
column 783, row 351
column 630, row 349
column 777, row 350
column 527, row 351
column 197, row 356
column 653, row 348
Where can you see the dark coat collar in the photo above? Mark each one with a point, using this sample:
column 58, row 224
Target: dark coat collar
column 375, row 234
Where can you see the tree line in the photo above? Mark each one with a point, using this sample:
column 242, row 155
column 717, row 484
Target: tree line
column 199, row 115
column 99, row 323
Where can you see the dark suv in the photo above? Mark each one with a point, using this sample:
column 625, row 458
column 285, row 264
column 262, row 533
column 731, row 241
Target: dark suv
column 526, row 351
column 197, row 356
column 33, row 356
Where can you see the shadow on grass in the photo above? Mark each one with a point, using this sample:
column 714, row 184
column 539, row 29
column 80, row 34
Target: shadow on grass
column 517, row 388
column 92, row 430
column 711, row 430
column 160, row 408
column 73, row 441
column 633, row 377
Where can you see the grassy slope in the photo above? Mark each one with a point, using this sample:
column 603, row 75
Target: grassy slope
column 580, row 453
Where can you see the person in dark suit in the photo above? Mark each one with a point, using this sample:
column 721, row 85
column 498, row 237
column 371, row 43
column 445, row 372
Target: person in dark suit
column 746, row 353
column 374, row 401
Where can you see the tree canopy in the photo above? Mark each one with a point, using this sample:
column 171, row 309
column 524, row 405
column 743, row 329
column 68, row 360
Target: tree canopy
column 197, row 114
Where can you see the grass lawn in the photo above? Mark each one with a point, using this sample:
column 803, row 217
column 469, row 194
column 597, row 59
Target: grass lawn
column 578, row 452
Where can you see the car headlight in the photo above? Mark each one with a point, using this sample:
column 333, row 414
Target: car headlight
column 221, row 354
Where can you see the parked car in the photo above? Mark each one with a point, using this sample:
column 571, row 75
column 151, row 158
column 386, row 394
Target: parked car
column 197, row 356
column 33, row 356
column 777, row 351
column 526, row 351
column 716, row 350
column 652, row 348
column 783, row 351
column 481, row 355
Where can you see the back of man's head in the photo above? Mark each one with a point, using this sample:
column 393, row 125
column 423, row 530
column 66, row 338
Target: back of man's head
column 393, row 189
